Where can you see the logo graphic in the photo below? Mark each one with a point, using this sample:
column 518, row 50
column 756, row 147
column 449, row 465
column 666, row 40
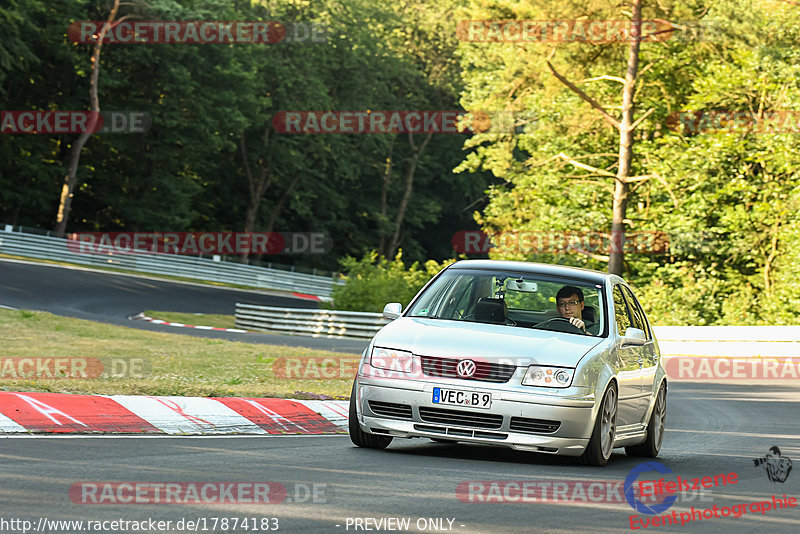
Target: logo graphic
column 635, row 503
column 466, row 368
column 778, row 467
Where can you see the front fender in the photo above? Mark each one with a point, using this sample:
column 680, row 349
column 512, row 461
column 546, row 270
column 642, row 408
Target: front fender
column 597, row 370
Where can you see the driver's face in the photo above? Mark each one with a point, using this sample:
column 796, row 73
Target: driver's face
column 570, row 307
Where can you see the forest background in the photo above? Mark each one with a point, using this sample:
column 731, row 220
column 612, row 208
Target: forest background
column 725, row 201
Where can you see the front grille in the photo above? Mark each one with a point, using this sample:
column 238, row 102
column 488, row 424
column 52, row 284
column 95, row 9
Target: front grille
column 533, row 426
column 390, row 409
column 484, row 371
column 459, row 418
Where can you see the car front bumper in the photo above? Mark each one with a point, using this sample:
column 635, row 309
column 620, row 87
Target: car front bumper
column 518, row 419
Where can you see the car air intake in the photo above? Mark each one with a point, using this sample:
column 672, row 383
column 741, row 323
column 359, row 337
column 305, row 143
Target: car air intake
column 459, row 418
column 533, row 426
column 484, row 371
column 390, row 409
column 456, row 433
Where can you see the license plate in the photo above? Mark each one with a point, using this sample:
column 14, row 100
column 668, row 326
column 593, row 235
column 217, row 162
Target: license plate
column 457, row 397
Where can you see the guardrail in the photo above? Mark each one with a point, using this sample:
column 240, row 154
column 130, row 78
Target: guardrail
column 316, row 323
column 729, row 341
column 54, row 248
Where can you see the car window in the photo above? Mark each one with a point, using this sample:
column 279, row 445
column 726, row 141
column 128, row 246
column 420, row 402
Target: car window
column 509, row 299
column 621, row 311
column 638, row 319
column 463, row 296
column 542, row 299
column 431, row 302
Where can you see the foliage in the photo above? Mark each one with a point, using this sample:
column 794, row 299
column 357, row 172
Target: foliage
column 728, row 201
column 188, row 172
column 374, row 281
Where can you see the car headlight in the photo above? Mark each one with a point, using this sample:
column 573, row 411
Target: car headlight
column 394, row 360
column 549, row 377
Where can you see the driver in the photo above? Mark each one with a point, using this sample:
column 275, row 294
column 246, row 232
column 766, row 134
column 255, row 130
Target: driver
column 569, row 302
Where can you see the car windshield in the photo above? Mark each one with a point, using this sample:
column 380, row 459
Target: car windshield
column 518, row 300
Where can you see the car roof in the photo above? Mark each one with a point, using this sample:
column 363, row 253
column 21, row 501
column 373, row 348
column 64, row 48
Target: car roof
column 589, row 275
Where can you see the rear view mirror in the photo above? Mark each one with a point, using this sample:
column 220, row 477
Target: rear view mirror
column 523, row 286
column 392, row 311
column 633, row 336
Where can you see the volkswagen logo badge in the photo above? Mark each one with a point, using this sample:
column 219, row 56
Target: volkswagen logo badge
column 465, row 368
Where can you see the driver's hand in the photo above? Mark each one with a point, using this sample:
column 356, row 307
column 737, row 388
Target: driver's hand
column 577, row 322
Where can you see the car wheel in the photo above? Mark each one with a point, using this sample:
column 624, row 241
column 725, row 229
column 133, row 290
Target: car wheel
column 655, row 428
column 358, row 436
column 601, row 444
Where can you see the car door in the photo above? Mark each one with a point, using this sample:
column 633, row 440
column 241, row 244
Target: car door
column 649, row 354
column 629, row 365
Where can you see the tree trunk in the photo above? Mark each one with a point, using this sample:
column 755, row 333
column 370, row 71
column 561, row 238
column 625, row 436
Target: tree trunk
column 279, row 205
column 626, row 126
column 256, row 187
column 70, row 181
column 416, row 153
column 620, row 205
column 387, row 176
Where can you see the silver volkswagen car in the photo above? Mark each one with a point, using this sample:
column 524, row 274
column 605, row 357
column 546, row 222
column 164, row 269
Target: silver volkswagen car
column 535, row 357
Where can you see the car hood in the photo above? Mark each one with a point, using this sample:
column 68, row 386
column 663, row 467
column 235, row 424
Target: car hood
column 494, row 343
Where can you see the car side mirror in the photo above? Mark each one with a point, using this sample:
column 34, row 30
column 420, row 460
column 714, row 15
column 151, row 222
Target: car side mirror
column 633, row 336
column 392, row 311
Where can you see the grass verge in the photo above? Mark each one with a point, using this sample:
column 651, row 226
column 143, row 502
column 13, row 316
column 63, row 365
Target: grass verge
column 165, row 364
column 196, row 319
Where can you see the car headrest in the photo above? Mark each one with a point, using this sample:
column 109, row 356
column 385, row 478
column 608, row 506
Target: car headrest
column 589, row 314
column 489, row 310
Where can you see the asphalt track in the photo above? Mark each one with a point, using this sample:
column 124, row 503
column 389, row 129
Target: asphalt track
column 110, row 298
column 712, row 429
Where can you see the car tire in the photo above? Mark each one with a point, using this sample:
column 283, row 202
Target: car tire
column 358, row 436
column 601, row 444
column 655, row 428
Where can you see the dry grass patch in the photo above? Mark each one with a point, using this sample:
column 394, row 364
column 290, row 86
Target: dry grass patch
column 172, row 364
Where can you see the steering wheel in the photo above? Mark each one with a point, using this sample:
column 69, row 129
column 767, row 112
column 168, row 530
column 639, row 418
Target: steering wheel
column 561, row 325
